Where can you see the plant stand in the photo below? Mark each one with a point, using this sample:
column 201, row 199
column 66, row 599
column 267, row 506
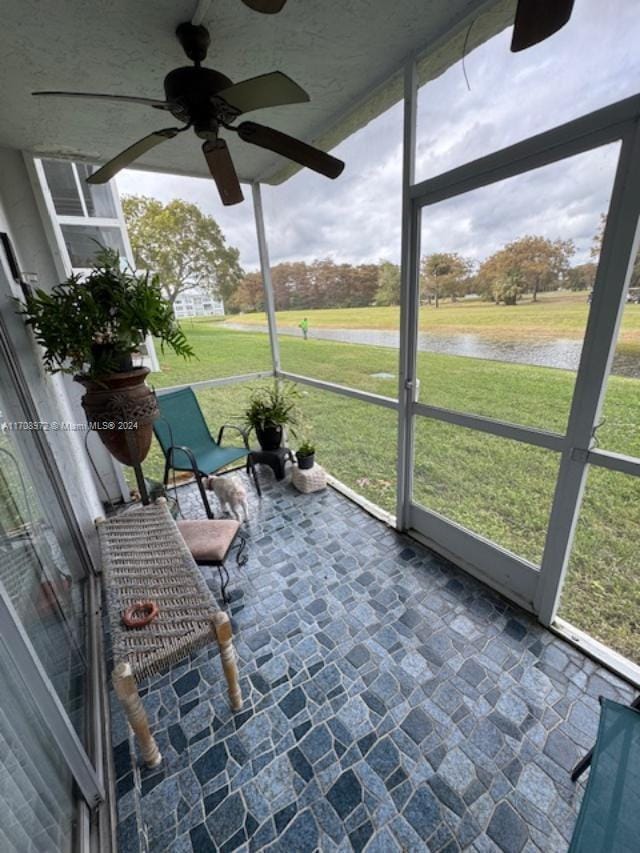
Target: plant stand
column 275, row 459
column 137, row 470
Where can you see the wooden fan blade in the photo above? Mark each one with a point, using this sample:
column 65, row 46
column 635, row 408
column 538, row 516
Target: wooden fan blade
column 268, row 7
column 223, row 171
column 293, row 149
column 266, row 90
column 149, row 102
column 124, row 158
column 536, row 20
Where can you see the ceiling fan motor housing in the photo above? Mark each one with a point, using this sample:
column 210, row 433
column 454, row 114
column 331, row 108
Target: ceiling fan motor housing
column 193, row 91
column 195, row 40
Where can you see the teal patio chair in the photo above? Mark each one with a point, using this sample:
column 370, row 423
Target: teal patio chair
column 609, row 818
column 187, row 444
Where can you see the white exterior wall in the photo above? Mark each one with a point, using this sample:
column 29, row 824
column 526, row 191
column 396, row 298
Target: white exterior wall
column 110, row 471
column 20, row 219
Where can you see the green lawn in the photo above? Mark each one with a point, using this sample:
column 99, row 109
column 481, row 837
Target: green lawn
column 498, row 488
column 554, row 315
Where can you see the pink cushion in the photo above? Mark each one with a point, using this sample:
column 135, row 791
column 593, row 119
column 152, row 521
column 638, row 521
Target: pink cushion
column 209, row 539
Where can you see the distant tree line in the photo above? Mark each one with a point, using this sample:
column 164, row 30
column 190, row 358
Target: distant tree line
column 187, row 248
column 298, row 285
column 530, row 265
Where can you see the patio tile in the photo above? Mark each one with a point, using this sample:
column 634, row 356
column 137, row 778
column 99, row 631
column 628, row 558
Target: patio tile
column 345, row 794
column 391, row 702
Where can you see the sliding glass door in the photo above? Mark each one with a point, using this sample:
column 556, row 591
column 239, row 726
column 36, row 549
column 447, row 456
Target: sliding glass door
column 36, row 575
column 37, row 803
column 45, row 714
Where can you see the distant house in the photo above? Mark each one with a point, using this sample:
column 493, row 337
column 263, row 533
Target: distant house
column 197, row 302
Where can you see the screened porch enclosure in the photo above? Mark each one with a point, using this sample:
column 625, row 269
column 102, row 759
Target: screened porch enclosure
column 422, row 645
column 478, row 464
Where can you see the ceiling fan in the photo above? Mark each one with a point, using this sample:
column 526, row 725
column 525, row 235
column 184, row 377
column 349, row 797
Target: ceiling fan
column 206, row 100
column 536, row 20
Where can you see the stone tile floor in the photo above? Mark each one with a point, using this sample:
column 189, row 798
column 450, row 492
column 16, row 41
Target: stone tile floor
column 391, row 702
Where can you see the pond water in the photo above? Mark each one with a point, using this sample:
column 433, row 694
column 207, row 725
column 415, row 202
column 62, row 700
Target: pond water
column 563, row 353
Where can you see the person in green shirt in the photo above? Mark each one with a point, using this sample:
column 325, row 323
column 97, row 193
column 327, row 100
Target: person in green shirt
column 304, row 325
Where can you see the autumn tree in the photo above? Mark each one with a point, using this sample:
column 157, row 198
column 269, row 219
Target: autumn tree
column 184, row 246
column 358, row 283
column 292, row 285
column 248, row 296
column 509, row 287
column 537, row 264
column 444, row 274
column 299, row 285
column 325, row 284
column 596, row 243
column 582, row 276
column 388, row 290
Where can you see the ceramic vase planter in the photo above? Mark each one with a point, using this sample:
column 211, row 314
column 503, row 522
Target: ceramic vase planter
column 121, row 408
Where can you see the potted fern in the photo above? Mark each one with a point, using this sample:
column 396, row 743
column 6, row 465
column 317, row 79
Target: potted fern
column 270, row 410
column 91, row 327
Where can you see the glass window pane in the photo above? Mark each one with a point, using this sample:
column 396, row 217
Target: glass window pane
column 98, row 198
column 504, row 287
column 498, row 488
column 63, row 187
column 84, row 241
column 37, row 577
column 506, row 97
column 601, row 593
column 36, row 791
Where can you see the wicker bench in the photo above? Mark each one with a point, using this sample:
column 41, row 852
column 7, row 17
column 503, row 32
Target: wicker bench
column 145, row 557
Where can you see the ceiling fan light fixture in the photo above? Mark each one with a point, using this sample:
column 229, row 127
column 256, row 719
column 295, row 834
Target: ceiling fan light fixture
column 536, row 20
column 267, row 7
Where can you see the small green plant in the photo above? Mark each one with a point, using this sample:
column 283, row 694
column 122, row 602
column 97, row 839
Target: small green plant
column 274, row 406
column 306, row 449
column 91, row 326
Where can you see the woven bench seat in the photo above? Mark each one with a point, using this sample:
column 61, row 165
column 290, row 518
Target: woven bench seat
column 144, row 557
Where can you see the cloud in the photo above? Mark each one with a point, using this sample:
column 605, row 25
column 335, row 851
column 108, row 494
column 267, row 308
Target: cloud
column 593, row 61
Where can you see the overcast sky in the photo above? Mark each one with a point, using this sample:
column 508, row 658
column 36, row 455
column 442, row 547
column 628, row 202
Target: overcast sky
column 593, row 61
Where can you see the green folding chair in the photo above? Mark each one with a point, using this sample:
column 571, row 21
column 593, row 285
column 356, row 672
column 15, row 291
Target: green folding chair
column 187, row 444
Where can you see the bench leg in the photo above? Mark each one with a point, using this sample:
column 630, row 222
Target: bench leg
column 125, row 686
column 222, row 629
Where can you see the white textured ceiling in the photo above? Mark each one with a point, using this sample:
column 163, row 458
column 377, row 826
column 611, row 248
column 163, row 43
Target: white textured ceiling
column 346, row 53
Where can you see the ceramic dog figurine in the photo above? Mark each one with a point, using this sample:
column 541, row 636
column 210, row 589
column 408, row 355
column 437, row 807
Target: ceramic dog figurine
column 230, row 493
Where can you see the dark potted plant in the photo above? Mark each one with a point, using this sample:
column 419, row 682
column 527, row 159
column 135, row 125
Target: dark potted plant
column 269, row 411
column 91, row 327
column 305, row 455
